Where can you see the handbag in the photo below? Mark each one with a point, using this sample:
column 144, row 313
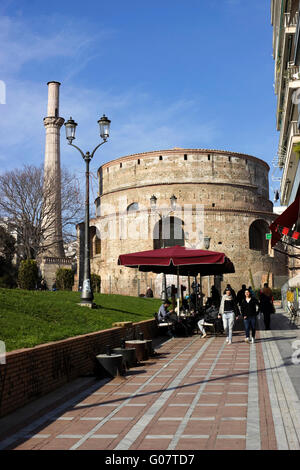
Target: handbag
column 273, row 308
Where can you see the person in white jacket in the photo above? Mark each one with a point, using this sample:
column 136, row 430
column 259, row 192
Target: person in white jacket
column 228, row 310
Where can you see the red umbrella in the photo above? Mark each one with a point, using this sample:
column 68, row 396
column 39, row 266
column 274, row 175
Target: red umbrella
column 191, row 261
column 170, row 260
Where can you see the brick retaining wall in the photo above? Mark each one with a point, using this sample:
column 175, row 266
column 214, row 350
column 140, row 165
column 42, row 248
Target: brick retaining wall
column 31, row 373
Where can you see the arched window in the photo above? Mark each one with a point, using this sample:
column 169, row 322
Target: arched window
column 168, row 232
column 257, row 236
column 95, row 242
column 134, row 207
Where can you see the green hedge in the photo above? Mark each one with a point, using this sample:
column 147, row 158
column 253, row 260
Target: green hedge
column 28, row 274
column 64, row 279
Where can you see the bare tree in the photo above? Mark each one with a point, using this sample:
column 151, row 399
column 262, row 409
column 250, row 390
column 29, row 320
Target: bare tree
column 23, row 193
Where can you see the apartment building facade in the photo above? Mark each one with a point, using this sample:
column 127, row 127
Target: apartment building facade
column 286, row 54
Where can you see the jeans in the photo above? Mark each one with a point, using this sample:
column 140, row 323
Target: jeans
column 250, row 322
column 202, row 323
column 200, row 326
column 228, row 321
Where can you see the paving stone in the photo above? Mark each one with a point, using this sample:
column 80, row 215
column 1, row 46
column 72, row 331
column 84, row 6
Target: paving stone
column 199, row 427
column 154, row 444
column 192, row 444
column 233, row 427
column 233, row 411
column 230, row 444
column 174, row 411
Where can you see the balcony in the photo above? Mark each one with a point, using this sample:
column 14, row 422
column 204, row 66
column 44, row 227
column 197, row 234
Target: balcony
column 289, row 31
column 290, row 22
column 291, row 84
column 293, row 72
column 291, row 161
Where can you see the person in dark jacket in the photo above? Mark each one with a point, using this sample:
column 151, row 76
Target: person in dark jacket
column 249, row 312
column 149, row 292
column 210, row 317
column 215, row 296
column 241, row 294
column 266, row 304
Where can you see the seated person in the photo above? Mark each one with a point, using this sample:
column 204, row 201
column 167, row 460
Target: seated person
column 185, row 303
column 210, row 317
column 163, row 313
column 149, row 292
column 165, row 316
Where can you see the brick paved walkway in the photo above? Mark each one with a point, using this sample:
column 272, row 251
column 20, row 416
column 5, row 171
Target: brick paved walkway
column 197, row 394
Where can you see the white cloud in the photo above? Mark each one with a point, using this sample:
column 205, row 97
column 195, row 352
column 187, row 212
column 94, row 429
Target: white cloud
column 22, row 43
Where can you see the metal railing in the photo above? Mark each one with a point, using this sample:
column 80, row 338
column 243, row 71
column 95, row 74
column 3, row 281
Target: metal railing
column 293, row 71
column 291, row 19
column 54, row 260
column 294, row 129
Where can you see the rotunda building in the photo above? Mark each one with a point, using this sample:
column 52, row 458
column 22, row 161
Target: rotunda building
column 222, row 198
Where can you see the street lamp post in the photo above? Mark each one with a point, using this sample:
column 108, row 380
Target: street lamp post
column 87, row 296
column 153, row 201
column 206, row 242
column 206, row 246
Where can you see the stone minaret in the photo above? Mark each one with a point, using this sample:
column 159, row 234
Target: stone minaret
column 52, row 176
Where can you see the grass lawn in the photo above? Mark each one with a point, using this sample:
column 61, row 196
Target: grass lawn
column 28, row 318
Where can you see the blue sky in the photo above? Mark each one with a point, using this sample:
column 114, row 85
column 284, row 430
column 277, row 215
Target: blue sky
column 168, row 73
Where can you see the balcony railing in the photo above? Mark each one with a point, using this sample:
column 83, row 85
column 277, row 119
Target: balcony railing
column 294, row 129
column 293, row 72
column 54, row 260
column 291, row 19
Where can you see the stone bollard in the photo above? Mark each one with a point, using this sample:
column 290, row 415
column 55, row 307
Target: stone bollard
column 111, row 365
column 129, row 356
column 149, row 347
column 140, row 348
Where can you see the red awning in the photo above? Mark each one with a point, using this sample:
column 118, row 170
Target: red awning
column 286, row 220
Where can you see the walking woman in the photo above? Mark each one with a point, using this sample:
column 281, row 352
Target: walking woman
column 228, row 310
column 266, row 304
column 249, row 313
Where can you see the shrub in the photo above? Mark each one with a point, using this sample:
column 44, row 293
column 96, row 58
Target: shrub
column 28, row 274
column 96, row 282
column 8, row 274
column 8, row 281
column 64, row 279
column 276, row 294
